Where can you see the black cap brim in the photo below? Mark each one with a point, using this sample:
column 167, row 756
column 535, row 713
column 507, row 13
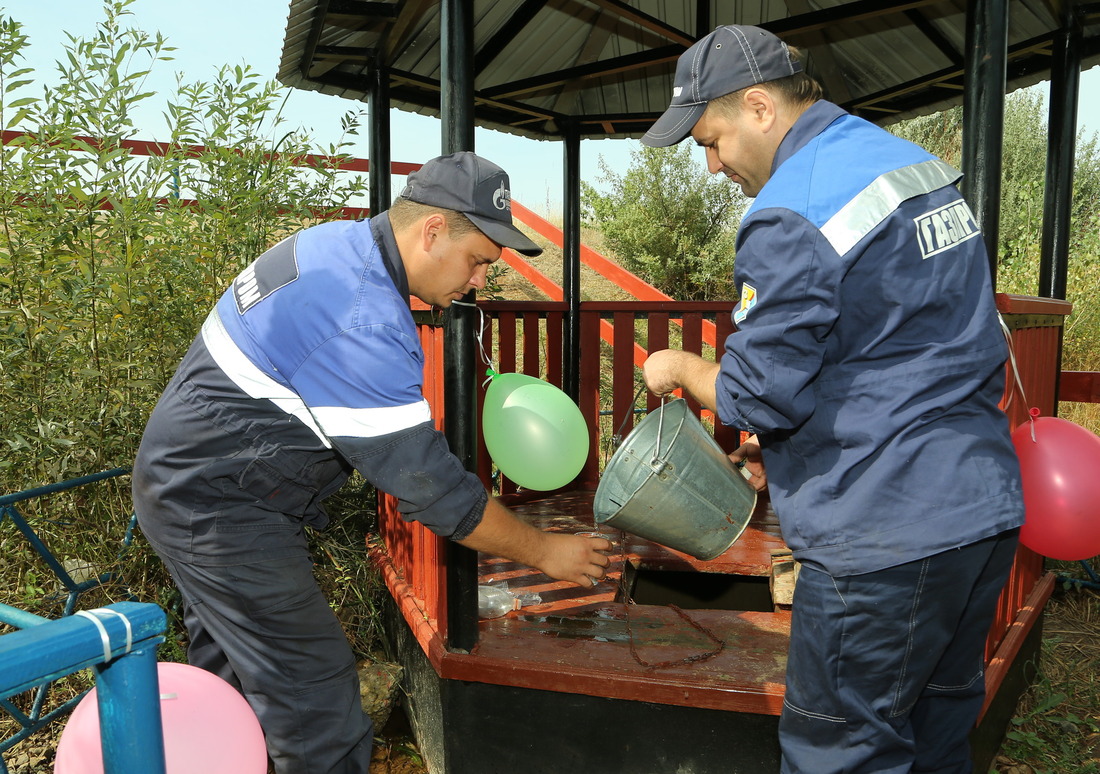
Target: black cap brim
column 504, row 234
column 674, row 125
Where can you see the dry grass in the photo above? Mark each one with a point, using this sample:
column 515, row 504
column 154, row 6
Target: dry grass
column 1056, row 729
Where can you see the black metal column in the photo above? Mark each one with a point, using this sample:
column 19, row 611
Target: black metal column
column 1065, row 83
column 459, row 380
column 571, row 262
column 379, row 152
column 983, row 116
column 703, row 24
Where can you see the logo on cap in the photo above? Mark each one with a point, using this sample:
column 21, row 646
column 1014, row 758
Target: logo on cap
column 502, row 199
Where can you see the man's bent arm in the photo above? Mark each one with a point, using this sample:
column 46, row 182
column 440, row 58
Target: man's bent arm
column 561, row 556
column 670, row 369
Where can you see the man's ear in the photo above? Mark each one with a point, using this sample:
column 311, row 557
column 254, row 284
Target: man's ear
column 433, row 227
column 761, row 106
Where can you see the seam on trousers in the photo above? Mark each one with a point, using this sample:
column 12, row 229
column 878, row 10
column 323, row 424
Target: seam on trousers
column 895, row 711
column 964, row 686
column 815, row 715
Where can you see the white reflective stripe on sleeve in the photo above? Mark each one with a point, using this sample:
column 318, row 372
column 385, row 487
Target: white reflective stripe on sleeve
column 873, row 204
column 371, row 422
column 252, row 381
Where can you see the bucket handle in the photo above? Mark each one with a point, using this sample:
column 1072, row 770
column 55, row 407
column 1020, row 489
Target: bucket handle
column 617, row 439
column 655, row 462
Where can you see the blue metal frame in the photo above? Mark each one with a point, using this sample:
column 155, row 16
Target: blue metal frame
column 1094, row 583
column 20, row 619
column 8, row 510
column 122, row 649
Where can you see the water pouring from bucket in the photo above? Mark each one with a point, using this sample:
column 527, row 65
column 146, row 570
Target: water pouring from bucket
column 671, row 483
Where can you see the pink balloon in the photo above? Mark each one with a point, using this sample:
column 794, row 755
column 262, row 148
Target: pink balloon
column 209, row 728
column 1061, row 477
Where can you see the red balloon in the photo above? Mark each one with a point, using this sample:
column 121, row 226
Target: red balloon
column 1060, row 466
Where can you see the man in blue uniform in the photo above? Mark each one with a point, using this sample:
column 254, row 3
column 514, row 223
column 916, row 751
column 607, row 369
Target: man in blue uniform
column 308, row 367
column 869, row 363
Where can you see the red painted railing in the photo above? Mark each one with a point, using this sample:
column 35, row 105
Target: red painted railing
column 1036, row 326
column 527, row 337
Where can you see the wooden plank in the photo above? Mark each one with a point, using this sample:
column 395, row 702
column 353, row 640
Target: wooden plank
column 1014, row 304
column 657, row 339
column 507, row 333
column 1079, row 386
column 729, row 438
column 531, row 345
column 554, row 336
column 622, row 374
column 592, row 656
column 589, row 377
column 506, row 342
column 1029, row 613
column 693, row 342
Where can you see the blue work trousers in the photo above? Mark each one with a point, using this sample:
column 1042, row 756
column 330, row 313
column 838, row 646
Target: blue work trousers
column 266, row 628
column 886, row 670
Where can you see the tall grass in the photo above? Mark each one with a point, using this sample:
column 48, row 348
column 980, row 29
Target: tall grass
column 108, row 264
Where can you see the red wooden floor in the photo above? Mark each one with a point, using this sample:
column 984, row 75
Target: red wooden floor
column 592, row 641
column 607, row 641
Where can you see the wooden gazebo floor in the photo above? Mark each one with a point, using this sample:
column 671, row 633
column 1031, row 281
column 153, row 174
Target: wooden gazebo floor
column 660, row 648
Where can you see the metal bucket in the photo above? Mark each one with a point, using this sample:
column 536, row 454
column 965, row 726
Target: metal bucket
column 671, row 483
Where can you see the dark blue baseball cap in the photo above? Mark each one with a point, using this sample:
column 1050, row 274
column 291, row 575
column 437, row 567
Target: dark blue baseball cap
column 476, row 187
column 729, row 59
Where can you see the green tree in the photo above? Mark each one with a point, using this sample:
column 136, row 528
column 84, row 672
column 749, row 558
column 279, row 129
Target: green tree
column 1021, row 211
column 1023, row 176
column 109, row 261
column 669, row 221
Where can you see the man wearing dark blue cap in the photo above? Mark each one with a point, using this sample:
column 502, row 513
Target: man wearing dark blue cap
column 310, row 366
column 869, row 364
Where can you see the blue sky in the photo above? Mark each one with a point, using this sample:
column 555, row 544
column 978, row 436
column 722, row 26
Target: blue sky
column 211, row 33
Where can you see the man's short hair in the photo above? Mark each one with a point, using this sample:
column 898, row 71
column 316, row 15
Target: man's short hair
column 405, row 212
column 795, row 90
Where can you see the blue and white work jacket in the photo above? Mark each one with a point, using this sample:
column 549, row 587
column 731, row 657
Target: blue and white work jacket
column 309, row 366
column 869, row 357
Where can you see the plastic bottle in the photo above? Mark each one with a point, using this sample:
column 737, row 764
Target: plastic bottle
column 493, row 602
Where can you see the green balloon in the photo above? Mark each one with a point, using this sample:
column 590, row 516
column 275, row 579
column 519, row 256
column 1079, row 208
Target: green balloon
column 534, row 432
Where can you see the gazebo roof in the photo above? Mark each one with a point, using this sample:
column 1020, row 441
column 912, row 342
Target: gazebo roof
column 608, row 64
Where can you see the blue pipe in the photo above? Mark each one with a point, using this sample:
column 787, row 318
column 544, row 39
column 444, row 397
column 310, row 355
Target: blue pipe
column 121, row 647
column 20, row 619
column 1091, row 584
column 60, row 486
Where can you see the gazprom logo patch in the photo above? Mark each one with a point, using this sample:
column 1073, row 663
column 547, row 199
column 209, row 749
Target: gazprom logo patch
column 276, row 268
column 247, row 289
column 944, row 227
column 748, row 301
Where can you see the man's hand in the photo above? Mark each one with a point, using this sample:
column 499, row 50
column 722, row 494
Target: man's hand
column 573, row 558
column 671, row 369
column 748, row 453
column 580, row 559
column 661, row 371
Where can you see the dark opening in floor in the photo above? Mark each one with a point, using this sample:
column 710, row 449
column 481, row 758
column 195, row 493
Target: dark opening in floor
column 697, row 590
